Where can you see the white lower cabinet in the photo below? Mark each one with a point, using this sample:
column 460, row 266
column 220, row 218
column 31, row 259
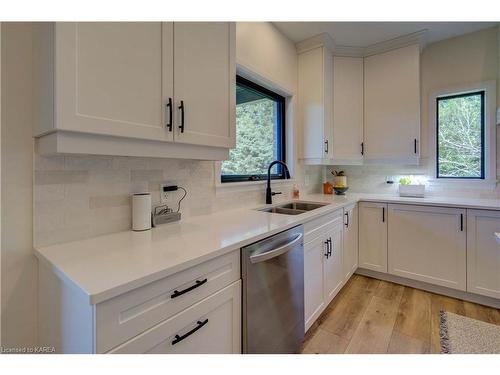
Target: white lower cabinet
column 323, row 275
column 373, row 236
column 211, row 326
column 483, row 253
column 428, row 244
column 197, row 310
column 350, row 247
column 127, row 315
column 314, row 296
column 333, row 274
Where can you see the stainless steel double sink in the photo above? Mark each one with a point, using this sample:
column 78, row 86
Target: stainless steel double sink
column 293, row 208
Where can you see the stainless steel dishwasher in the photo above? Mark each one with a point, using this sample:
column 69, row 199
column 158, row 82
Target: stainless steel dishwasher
column 273, row 293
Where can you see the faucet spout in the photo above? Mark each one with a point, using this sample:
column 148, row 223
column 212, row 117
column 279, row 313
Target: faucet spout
column 269, row 193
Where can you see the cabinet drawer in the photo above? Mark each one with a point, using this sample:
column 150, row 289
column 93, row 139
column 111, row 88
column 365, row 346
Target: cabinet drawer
column 211, row 326
column 125, row 316
column 316, row 227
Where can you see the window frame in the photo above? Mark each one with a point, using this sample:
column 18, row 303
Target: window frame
column 490, row 127
column 482, row 93
column 281, row 138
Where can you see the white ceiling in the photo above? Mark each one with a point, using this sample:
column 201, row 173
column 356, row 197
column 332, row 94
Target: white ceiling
column 363, row 34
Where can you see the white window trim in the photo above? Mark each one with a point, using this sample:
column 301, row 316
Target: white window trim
column 243, row 186
column 490, row 102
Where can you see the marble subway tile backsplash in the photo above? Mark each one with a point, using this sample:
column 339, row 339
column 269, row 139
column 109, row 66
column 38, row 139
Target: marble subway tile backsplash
column 372, row 179
column 78, row 197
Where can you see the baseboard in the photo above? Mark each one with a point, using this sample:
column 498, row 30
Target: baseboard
column 470, row 297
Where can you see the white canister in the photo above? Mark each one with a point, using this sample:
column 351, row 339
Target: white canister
column 141, row 211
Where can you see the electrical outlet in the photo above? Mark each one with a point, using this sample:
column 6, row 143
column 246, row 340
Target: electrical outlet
column 163, row 194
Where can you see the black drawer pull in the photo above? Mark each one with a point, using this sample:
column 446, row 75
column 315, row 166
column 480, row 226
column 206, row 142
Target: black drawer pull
column 181, row 107
column 178, row 338
column 198, row 284
column 169, row 106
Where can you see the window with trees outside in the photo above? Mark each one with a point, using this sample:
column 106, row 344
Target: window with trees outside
column 460, row 136
column 260, row 134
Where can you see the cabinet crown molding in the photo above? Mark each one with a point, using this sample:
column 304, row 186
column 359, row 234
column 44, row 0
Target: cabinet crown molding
column 320, row 40
column 418, row 37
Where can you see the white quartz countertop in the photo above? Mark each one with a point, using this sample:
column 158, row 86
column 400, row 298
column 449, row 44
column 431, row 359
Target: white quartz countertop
column 106, row 266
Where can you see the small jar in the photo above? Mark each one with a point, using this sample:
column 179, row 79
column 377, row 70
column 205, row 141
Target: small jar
column 327, row 188
column 295, row 192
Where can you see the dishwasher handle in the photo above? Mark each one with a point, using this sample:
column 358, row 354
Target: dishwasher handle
column 275, row 252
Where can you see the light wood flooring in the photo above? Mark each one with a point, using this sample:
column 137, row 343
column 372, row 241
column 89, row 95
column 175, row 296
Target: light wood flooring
column 375, row 316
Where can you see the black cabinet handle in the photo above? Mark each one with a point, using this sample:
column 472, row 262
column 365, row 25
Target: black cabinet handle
column 383, row 214
column 461, row 222
column 197, row 285
column 181, row 107
column 178, row 338
column 327, row 254
column 326, row 146
column 415, row 145
column 329, row 246
column 347, row 217
column 169, row 106
column 362, row 148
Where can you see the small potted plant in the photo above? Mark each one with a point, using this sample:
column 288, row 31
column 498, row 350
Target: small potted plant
column 408, row 188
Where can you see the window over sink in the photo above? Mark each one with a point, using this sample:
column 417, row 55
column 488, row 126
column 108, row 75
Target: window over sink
column 260, row 134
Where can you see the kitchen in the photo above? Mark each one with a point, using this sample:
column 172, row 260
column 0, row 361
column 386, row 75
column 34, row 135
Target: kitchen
column 292, row 193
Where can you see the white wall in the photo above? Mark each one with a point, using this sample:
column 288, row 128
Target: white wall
column 469, row 58
column 262, row 49
column 266, row 56
column 19, row 272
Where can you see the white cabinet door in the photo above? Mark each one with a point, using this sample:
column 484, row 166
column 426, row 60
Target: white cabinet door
column 114, row 78
column 392, row 106
column 333, row 274
column 315, row 102
column 314, row 303
column 350, row 249
column 347, row 109
column 428, row 244
column 373, row 236
column 483, row 253
column 204, row 81
column 211, row 326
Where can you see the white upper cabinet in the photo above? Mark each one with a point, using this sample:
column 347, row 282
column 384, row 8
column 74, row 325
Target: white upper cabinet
column 204, row 81
column 125, row 81
column 392, row 106
column 359, row 105
column 316, row 97
column 483, row 253
column 113, row 78
column 347, row 110
column 428, row 244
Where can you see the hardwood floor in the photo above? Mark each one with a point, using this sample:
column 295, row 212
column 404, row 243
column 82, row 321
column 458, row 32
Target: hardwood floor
column 375, row 316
